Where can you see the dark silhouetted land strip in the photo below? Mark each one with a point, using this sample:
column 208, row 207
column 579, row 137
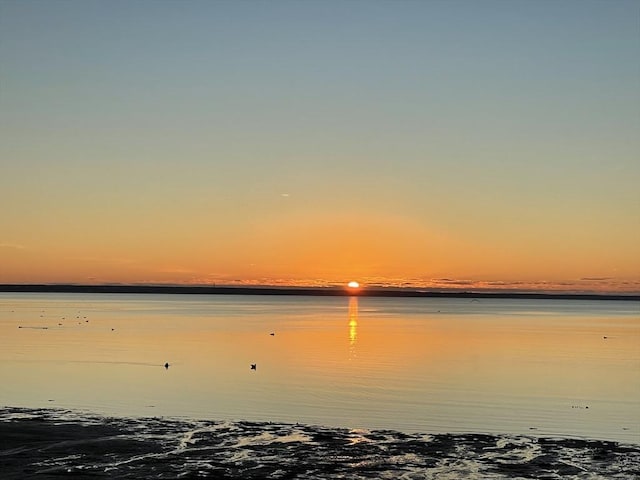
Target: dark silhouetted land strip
column 306, row 291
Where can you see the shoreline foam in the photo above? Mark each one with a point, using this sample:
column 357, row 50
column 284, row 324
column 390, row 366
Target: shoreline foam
column 50, row 443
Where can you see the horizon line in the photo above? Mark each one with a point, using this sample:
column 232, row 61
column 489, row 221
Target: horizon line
column 329, row 290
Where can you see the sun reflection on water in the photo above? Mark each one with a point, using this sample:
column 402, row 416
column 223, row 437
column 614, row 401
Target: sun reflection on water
column 353, row 325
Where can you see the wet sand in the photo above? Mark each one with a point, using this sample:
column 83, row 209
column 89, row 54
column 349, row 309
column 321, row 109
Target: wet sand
column 53, row 444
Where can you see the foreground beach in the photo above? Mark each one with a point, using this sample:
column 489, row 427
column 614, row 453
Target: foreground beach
column 52, row 443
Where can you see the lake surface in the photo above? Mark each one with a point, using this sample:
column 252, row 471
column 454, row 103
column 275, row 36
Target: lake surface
column 431, row 365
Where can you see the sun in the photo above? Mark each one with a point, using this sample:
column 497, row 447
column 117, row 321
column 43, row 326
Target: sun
column 353, row 284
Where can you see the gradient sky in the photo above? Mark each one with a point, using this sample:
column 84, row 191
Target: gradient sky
column 443, row 143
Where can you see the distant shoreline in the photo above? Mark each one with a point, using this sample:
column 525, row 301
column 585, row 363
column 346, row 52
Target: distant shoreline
column 305, row 291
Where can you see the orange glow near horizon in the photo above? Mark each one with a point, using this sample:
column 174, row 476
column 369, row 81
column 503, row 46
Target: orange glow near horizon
column 312, row 248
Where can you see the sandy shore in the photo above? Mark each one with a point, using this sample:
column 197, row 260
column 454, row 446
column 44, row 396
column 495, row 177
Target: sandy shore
column 53, row 444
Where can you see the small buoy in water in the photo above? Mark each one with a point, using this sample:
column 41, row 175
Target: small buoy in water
column 166, row 365
column 253, row 366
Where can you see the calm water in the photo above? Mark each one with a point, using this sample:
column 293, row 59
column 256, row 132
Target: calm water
column 419, row 365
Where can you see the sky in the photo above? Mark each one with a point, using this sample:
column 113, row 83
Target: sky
column 463, row 144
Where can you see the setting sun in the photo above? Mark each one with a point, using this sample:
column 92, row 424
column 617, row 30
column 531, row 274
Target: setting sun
column 353, row 284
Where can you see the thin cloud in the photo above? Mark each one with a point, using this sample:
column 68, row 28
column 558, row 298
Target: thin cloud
column 13, row 246
column 451, row 281
column 114, row 260
column 176, row 270
column 504, row 284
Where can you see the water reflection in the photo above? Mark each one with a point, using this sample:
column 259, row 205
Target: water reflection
column 353, row 325
column 541, row 362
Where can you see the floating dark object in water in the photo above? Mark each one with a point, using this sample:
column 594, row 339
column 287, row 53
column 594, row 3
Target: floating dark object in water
column 272, row 334
column 253, row 366
column 604, row 338
column 112, row 329
column 166, row 365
